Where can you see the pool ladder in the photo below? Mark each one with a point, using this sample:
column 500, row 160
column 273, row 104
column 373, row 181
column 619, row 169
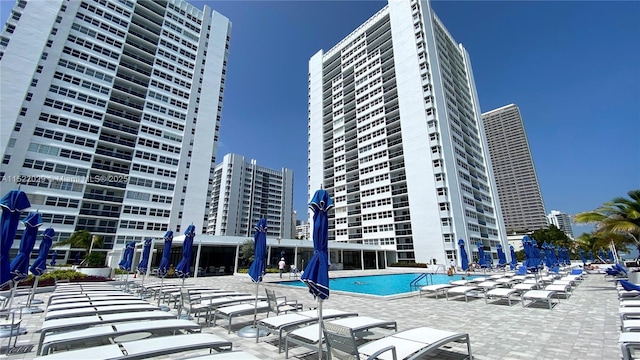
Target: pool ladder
column 413, row 285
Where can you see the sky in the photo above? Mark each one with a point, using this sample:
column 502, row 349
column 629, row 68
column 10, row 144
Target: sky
column 572, row 67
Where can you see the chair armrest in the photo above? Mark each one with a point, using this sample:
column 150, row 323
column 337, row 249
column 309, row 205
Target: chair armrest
column 391, row 347
column 282, row 300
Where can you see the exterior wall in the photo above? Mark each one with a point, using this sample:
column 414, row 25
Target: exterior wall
column 562, row 221
column 512, row 162
column 112, row 113
column 395, row 137
column 244, row 192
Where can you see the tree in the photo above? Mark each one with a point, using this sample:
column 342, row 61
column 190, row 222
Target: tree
column 247, row 251
column 81, row 239
column 620, row 216
column 553, row 236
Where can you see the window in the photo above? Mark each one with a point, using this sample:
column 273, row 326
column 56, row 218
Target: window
column 23, row 111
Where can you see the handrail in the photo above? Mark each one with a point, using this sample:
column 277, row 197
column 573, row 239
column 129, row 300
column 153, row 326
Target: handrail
column 413, row 285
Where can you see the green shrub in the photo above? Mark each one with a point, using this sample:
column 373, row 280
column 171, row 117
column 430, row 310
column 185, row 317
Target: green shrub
column 121, row 272
column 268, row 270
column 95, row 259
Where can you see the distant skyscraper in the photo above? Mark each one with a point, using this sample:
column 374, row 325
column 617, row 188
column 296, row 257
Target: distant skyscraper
column 110, row 113
column 516, row 179
column 395, row 136
column 562, row 221
column 243, row 192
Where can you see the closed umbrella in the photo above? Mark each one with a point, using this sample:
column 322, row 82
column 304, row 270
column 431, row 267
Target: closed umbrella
column 144, row 259
column 12, row 204
column 183, row 269
column 514, row 260
column 39, row 266
column 163, row 268
column 20, row 264
column 256, row 271
column 316, row 274
column 602, row 256
column 54, row 256
column 583, row 257
column 481, row 259
column 464, row 258
column 127, row 258
column 502, row 259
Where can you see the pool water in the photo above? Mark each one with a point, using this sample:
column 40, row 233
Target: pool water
column 381, row 285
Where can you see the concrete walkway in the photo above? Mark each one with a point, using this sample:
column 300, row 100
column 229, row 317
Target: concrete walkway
column 585, row 326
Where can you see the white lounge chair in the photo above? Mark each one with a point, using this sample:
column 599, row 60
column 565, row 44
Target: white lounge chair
column 632, row 325
column 100, row 310
column 629, row 303
column 505, row 281
column 308, row 335
column 435, row 289
column 79, row 305
column 500, row 293
column 144, row 349
column 538, row 296
column 629, row 342
column 409, row 344
column 120, row 296
column 82, row 322
column 459, row 282
column 285, row 322
column 112, row 331
column 565, row 290
column 230, row 312
column 487, row 285
column 227, row 355
column 463, row 290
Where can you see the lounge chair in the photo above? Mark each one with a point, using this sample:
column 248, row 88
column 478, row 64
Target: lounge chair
column 565, row 290
column 100, row 310
column 227, row 355
column 629, row 342
column 112, row 331
column 487, row 285
column 629, row 312
column 82, row 322
column 632, row 325
column 409, row 344
column 435, row 289
column 120, row 296
column 285, row 322
column 144, row 349
column 524, row 287
column 360, row 325
column 463, row 290
column 79, row 305
column 281, row 304
column 459, row 282
column 230, row 312
column 538, row 296
column 478, row 279
column 505, row 281
column 629, row 303
column 500, row 293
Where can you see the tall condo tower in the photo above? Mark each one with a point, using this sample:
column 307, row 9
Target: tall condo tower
column 243, row 192
column 111, row 111
column 562, row 221
column 516, row 179
column 395, row 136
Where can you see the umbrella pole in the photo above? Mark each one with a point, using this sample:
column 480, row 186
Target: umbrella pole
column 319, row 329
column 126, row 283
column 33, row 291
column 13, row 293
column 142, row 286
column 255, row 311
column 161, row 288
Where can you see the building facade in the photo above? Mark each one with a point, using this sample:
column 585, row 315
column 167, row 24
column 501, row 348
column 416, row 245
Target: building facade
column 243, row 192
column 515, row 175
column 396, row 137
column 111, row 113
column 562, row 221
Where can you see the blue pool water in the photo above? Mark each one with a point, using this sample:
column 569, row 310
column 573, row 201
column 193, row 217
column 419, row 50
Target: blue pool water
column 381, row 285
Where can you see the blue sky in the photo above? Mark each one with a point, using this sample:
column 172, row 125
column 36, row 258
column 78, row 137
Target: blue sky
column 573, row 68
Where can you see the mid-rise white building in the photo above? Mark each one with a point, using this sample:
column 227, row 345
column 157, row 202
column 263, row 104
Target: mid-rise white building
column 111, row 113
column 516, row 179
column 396, row 137
column 243, row 192
column 562, row 221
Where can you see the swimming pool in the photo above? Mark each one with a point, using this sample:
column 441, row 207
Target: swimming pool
column 381, row 285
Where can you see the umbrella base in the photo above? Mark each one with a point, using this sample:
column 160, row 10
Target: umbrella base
column 164, row 308
column 33, row 301
column 29, row 310
column 251, row 332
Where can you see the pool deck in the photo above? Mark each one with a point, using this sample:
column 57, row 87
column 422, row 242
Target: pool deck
column 585, row 326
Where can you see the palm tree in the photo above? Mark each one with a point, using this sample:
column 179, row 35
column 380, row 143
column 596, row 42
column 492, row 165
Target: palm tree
column 617, row 218
column 81, row 239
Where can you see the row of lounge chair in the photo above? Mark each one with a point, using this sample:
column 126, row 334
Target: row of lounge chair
column 525, row 288
column 629, row 298
column 85, row 316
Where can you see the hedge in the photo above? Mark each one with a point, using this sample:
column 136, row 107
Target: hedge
column 49, row 278
column 418, row 265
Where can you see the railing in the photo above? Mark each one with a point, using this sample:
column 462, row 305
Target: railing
column 413, row 285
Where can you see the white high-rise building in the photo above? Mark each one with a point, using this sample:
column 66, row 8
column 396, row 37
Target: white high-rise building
column 562, row 221
column 243, row 192
column 516, row 179
column 396, row 137
column 111, row 113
